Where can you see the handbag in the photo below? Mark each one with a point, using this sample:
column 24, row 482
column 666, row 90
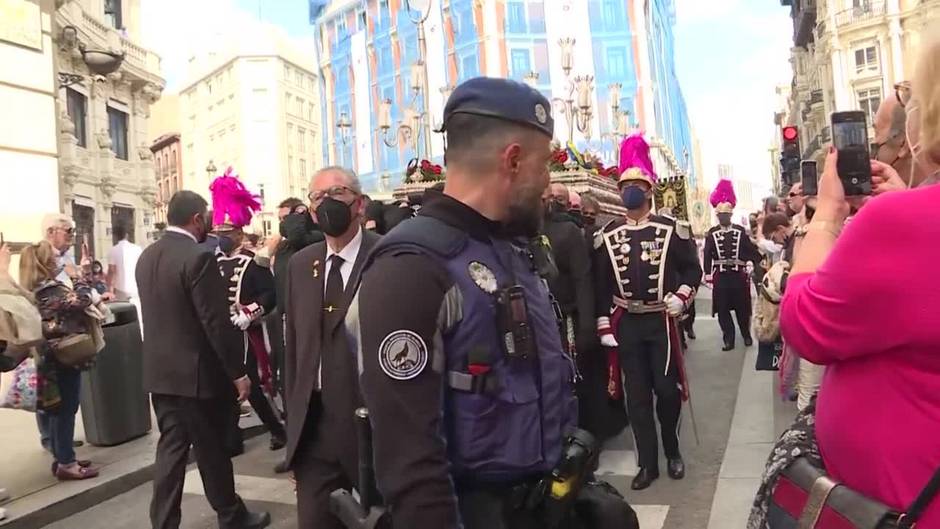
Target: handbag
column 768, row 355
column 23, row 393
column 75, row 350
column 805, row 497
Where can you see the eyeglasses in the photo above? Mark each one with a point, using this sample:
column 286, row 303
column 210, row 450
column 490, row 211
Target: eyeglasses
column 902, row 91
column 68, row 231
column 333, row 192
column 793, row 195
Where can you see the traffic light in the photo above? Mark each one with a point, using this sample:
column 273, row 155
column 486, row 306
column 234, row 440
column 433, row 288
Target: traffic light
column 791, row 154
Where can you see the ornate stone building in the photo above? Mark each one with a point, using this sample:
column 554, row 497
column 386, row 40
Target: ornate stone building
column 106, row 166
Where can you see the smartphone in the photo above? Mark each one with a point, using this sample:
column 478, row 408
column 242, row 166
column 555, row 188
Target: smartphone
column 850, row 136
column 810, row 178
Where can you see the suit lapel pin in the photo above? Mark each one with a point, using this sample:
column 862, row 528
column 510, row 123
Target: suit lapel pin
column 316, row 268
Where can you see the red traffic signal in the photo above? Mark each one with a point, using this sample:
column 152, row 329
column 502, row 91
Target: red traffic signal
column 790, row 133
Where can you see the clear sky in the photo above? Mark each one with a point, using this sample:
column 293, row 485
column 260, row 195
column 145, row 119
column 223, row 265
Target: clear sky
column 730, row 56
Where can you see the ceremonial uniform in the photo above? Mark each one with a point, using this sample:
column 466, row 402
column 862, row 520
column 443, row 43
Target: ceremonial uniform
column 468, row 404
column 727, row 252
column 250, row 294
column 646, row 274
column 637, row 263
column 728, row 249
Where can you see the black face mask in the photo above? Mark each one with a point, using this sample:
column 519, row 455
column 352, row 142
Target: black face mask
column 589, row 220
column 724, row 220
column 226, row 244
column 334, row 216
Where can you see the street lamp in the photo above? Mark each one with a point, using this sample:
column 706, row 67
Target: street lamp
column 210, row 170
column 577, row 107
column 418, row 12
column 344, row 125
column 531, row 79
column 98, row 62
column 404, row 132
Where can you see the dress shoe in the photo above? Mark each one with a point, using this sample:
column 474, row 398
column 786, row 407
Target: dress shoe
column 691, row 334
column 278, row 441
column 644, row 478
column 727, row 346
column 748, row 341
column 256, row 520
column 282, row 467
column 676, row 468
column 75, row 472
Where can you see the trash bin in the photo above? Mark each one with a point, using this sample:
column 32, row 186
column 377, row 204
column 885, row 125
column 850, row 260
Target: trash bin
column 115, row 408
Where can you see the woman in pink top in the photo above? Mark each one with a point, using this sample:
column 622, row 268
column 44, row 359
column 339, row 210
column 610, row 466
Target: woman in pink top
column 866, row 304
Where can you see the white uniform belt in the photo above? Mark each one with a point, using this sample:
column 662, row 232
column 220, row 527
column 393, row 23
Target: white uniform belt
column 729, row 262
column 639, row 307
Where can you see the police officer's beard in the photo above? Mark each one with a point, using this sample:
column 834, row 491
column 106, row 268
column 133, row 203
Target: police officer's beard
column 525, row 216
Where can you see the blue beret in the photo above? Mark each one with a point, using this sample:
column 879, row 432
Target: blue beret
column 504, row 99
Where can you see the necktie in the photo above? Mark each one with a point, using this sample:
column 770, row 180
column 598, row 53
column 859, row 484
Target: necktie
column 333, row 294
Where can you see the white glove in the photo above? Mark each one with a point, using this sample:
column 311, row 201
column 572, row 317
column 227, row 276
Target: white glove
column 674, row 304
column 241, row 320
column 608, row 340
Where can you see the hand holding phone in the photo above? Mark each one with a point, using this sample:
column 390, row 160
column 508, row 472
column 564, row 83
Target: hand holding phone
column 850, row 138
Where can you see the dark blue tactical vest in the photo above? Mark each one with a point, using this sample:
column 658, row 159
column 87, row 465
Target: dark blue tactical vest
column 514, row 425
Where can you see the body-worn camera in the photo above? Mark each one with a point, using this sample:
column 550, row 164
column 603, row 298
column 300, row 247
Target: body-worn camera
column 514, row 326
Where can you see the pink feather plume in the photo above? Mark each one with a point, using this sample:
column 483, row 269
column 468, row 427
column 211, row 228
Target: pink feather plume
column 724, row 192
column 635, row 152
column 231, row 199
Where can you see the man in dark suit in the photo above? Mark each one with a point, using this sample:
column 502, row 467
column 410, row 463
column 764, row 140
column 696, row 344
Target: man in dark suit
column 321, row 372
column 192, row 360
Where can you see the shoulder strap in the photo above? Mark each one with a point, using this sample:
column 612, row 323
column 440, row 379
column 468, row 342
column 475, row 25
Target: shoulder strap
column 923, row 500
column 422, row 234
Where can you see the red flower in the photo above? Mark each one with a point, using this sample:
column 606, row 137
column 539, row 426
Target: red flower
column 425, row 164
column 437, row 169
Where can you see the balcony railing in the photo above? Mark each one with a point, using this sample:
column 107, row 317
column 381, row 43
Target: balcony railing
column 804, row 20
column 864, row 13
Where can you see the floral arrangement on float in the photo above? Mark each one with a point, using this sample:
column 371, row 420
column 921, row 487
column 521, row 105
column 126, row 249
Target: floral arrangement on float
column 423, row 171
column 567, row 158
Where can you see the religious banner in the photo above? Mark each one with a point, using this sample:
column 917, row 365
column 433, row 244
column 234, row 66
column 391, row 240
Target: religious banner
column 672, row 193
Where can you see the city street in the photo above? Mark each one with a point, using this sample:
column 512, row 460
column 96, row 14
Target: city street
column 686, row 504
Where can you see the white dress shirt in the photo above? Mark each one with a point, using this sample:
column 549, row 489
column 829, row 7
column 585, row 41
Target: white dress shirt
column 177, row 229
column 349, row 253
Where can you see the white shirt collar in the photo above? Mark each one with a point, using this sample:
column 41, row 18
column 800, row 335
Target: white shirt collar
column 350, row 251
column 176, row 229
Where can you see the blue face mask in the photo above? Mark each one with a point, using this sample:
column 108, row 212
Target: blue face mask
column 633, row 197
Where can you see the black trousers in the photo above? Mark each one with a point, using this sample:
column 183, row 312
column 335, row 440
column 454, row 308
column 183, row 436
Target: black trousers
column 198, row 423
column 689, row 323
column 492, row 509
column 649, row 369
column 732, row 293
column 258, row 401
column 327, row 460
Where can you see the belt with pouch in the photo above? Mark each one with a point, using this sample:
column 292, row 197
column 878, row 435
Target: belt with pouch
column 639, row 307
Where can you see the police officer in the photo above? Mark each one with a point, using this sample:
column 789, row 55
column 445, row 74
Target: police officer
column 469, row 391
column 728, row 248
column 646, row 276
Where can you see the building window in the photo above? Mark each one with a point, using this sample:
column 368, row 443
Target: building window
column 612, row 16
column 112, row 13
column 209, row 86
column 78, row 110
column 301, row 139
column 384, row 14
column 515, row 17
column 290, row 167
column 616, row 63
column 868, row 102
column 470, row 67
column 300, row 108
column 288, row 98
column 361, row 19
column 286, row 72
column 537, row 17
column 341, row 31
column 117, row 128
column 310, row 112
column 303, row 169
column 521, row 63
column 290, row 133
column 866, row 59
